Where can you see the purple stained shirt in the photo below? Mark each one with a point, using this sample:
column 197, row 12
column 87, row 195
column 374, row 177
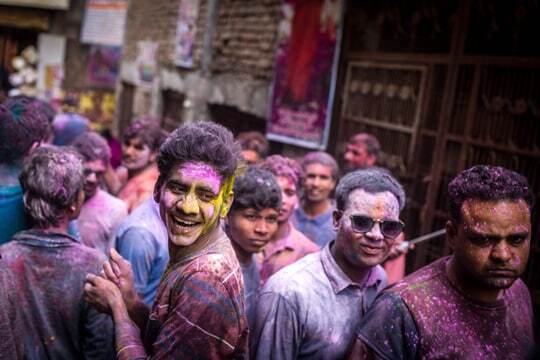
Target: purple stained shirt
column 99, row 219
column 48, row 272
column 310, row 309
column 425, row 316
column 10, row 318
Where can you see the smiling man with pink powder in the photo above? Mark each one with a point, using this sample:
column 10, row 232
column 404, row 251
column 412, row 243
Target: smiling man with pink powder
column 199, row 307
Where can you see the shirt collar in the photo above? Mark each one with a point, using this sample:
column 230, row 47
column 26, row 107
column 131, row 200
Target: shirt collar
column 339, row 280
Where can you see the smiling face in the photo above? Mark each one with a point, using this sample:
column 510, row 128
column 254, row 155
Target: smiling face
column 251, row 229
column 191, row 200
column 289, row 198
column 136, row 155
column 318, row 182
column 93, row 173
column 356, row 250
column 491, row 244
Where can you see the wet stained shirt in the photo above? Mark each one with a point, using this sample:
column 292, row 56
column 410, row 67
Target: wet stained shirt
column 99, row 219
column 282, row 252
column 142, row 240
column 198, row 312
column 10, row 319
column 310, row 309
column 425, row 316
column 48, row 271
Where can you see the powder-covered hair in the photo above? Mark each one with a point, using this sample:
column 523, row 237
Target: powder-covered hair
column 322, row 158
column 201, row 141
column 372, row 180
column 487, row 183
column 255, row 141
column 256, row 189
column 51, row 179
column 21, row 125
column 284, row 167
column 146, row 129
column 373, row 147
column 92, row 146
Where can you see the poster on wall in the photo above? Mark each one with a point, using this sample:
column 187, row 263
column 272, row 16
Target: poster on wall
column 104, row 22
column 51, row 49
column 186, row 29
column 104, row 65
column 146, row 63
column 305, row 72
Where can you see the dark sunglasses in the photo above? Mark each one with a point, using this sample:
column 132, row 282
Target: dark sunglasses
column 389, row 228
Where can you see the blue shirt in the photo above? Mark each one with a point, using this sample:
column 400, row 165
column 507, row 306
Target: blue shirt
column 12, row 215
column 320, row 229
column 142, row 240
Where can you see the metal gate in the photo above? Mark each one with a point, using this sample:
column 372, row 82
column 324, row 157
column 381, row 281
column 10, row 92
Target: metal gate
column 444, row 85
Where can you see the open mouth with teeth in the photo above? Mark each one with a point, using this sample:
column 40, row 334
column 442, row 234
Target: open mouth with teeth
column 184, row 225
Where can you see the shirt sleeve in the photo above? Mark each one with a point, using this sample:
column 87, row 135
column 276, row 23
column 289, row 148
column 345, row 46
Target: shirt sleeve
column 387, row 331
column 203, row 323
column 276, row 334
column 138, row 246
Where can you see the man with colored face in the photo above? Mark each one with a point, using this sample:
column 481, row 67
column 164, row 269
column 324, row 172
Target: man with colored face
column 139, row 150
column 314, row 215
column 101, row 213
column 199, row 307
column 361, row 152
column 251, row 224
column 288, row 244
column 310, row 308
column 472, row 304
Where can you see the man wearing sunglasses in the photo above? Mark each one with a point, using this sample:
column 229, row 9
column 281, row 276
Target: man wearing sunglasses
column 472, row 304
column 310, row 308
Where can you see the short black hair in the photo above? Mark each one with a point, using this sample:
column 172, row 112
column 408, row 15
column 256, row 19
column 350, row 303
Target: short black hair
column 373, row 181
column 254, row 141
column 373, row 146
column 21, row 125
column 148, row 130
column 201, row 141
column 256, row 189
column 92, row 146
column 487, row 183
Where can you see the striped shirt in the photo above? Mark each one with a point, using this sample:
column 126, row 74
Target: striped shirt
column 198, row 312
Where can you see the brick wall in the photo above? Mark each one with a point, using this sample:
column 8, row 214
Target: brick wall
column 245, row 37
column 156, row 20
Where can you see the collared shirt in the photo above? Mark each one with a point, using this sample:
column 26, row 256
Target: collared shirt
column 142, row 239
column 198, row 312
column 49, row 271
column 11, row 331
column 282, row 252
column 309, row 310
column 99, row 219
column 140, row 187
column 319, row 229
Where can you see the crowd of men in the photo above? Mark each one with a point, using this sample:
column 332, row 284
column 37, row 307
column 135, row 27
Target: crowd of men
column 201, row 246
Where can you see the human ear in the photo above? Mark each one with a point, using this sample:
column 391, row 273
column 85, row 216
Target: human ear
column 336, row 217
column 157, row 191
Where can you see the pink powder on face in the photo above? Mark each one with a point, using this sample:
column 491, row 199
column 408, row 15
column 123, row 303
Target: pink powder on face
column 197, row 171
